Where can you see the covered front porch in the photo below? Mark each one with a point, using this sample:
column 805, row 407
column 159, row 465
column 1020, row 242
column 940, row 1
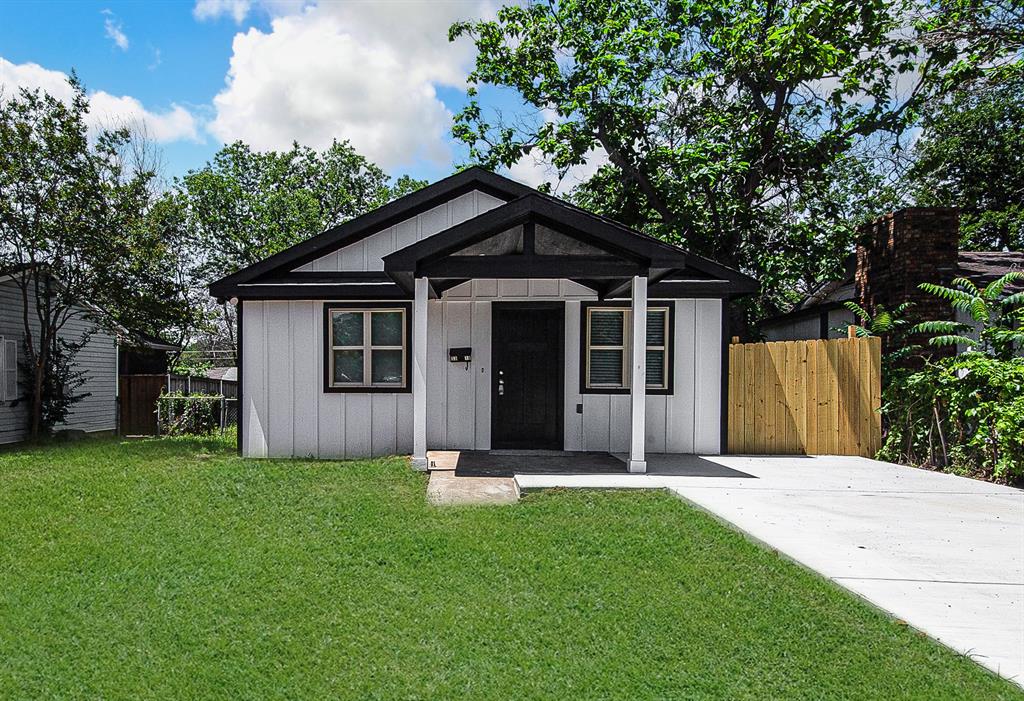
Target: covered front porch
column 534, row 238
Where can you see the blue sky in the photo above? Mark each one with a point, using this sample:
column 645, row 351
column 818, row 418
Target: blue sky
column 381, row 74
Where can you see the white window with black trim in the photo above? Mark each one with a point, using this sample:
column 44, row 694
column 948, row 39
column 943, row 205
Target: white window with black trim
column 607, row 352
column 8, row 369
column 366, row 347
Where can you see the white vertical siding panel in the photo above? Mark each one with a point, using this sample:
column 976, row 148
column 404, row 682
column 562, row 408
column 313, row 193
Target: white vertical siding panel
column 366, row 254
column 461, row 426
column 620, row 425
column 279, row 380
column 485, row 202
column 403, row 440
column 481, row 369
column 384, row 418
column 405, row 233
column 543, row 288
column 708, row 374
column 254, row 390
column 679, row 408
column 596, row 421
column 331, row 262
column 485, row 288
column 513, row 288
column 353, row 257
column 378, row 246
column 460, row 291
column 331, row 425
column 462, row 208
column 437, row 369
column 573, row 439
column 432, row 221
column 306, row 375
column 574, row 290
column 358, row 425
column 330, row 406
column 654, row 428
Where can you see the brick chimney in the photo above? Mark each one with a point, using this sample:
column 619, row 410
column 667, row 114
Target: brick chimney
column 901, row 250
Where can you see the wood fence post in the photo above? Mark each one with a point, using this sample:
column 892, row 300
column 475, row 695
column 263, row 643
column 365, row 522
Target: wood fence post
column 851, row 331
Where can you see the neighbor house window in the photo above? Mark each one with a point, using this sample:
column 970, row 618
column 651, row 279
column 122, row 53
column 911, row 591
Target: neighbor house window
column 8, row 370
column 607, row 333
column 367, row 348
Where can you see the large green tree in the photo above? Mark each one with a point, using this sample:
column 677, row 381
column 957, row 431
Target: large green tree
column 245, row 205
column 726, row 123
column 75, row 238
column 970, row 156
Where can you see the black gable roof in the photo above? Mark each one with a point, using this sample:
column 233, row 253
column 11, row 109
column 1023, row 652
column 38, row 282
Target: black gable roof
column 421, row 200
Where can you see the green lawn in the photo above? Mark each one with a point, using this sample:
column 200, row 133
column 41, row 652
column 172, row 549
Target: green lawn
column 174, row 569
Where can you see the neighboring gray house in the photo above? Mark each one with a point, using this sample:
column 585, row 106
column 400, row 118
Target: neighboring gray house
column 480, row 314
column 897, row 253
column 99, row 358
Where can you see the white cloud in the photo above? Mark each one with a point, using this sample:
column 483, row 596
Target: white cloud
column 114, row 31
column 239, row 9
column 365, row 72
column 105, row 110
column 212, row 9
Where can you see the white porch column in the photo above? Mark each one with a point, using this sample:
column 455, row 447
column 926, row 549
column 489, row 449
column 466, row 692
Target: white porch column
column 419, row 374
column 638, row 379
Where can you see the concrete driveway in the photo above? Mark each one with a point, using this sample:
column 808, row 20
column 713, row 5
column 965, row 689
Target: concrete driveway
column 943, row 553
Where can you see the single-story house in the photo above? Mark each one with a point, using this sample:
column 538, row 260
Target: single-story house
column 103, row 358
column 896, row 253
column 478, row 313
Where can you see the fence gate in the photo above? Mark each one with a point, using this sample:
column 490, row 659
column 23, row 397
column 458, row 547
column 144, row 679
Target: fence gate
column 138, row 395
column 806, row 397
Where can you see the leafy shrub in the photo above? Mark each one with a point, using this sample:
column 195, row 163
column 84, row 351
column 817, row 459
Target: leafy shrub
column 996, row 309
column 189, row 415
column 963, row 414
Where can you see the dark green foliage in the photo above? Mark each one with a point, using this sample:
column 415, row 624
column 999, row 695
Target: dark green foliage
column 883, row 322
column 969, row 156
column 173, row 569
column 963, row 414
column 892, row 325
column 997, row 312
column 188, row 415
column 246, row 205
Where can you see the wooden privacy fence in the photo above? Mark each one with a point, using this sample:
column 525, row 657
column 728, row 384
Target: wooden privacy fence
column 806, row 397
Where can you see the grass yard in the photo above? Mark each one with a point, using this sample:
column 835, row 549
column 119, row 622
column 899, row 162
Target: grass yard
column 174, row 569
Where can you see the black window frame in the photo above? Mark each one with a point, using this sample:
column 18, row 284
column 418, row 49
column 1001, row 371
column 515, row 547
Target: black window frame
column 669, row 336
column 327, row 346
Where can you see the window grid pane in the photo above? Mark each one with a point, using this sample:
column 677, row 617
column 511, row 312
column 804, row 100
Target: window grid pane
column 608, row 342
column 368, row 348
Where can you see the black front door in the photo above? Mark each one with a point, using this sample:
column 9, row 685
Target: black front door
column 528, row 372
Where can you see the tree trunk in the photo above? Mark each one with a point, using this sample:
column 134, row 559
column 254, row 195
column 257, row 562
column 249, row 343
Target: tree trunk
column 36, row 415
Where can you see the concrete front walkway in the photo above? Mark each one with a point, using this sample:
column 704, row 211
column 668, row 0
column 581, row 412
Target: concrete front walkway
column 943, row 553
column 445, row 488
